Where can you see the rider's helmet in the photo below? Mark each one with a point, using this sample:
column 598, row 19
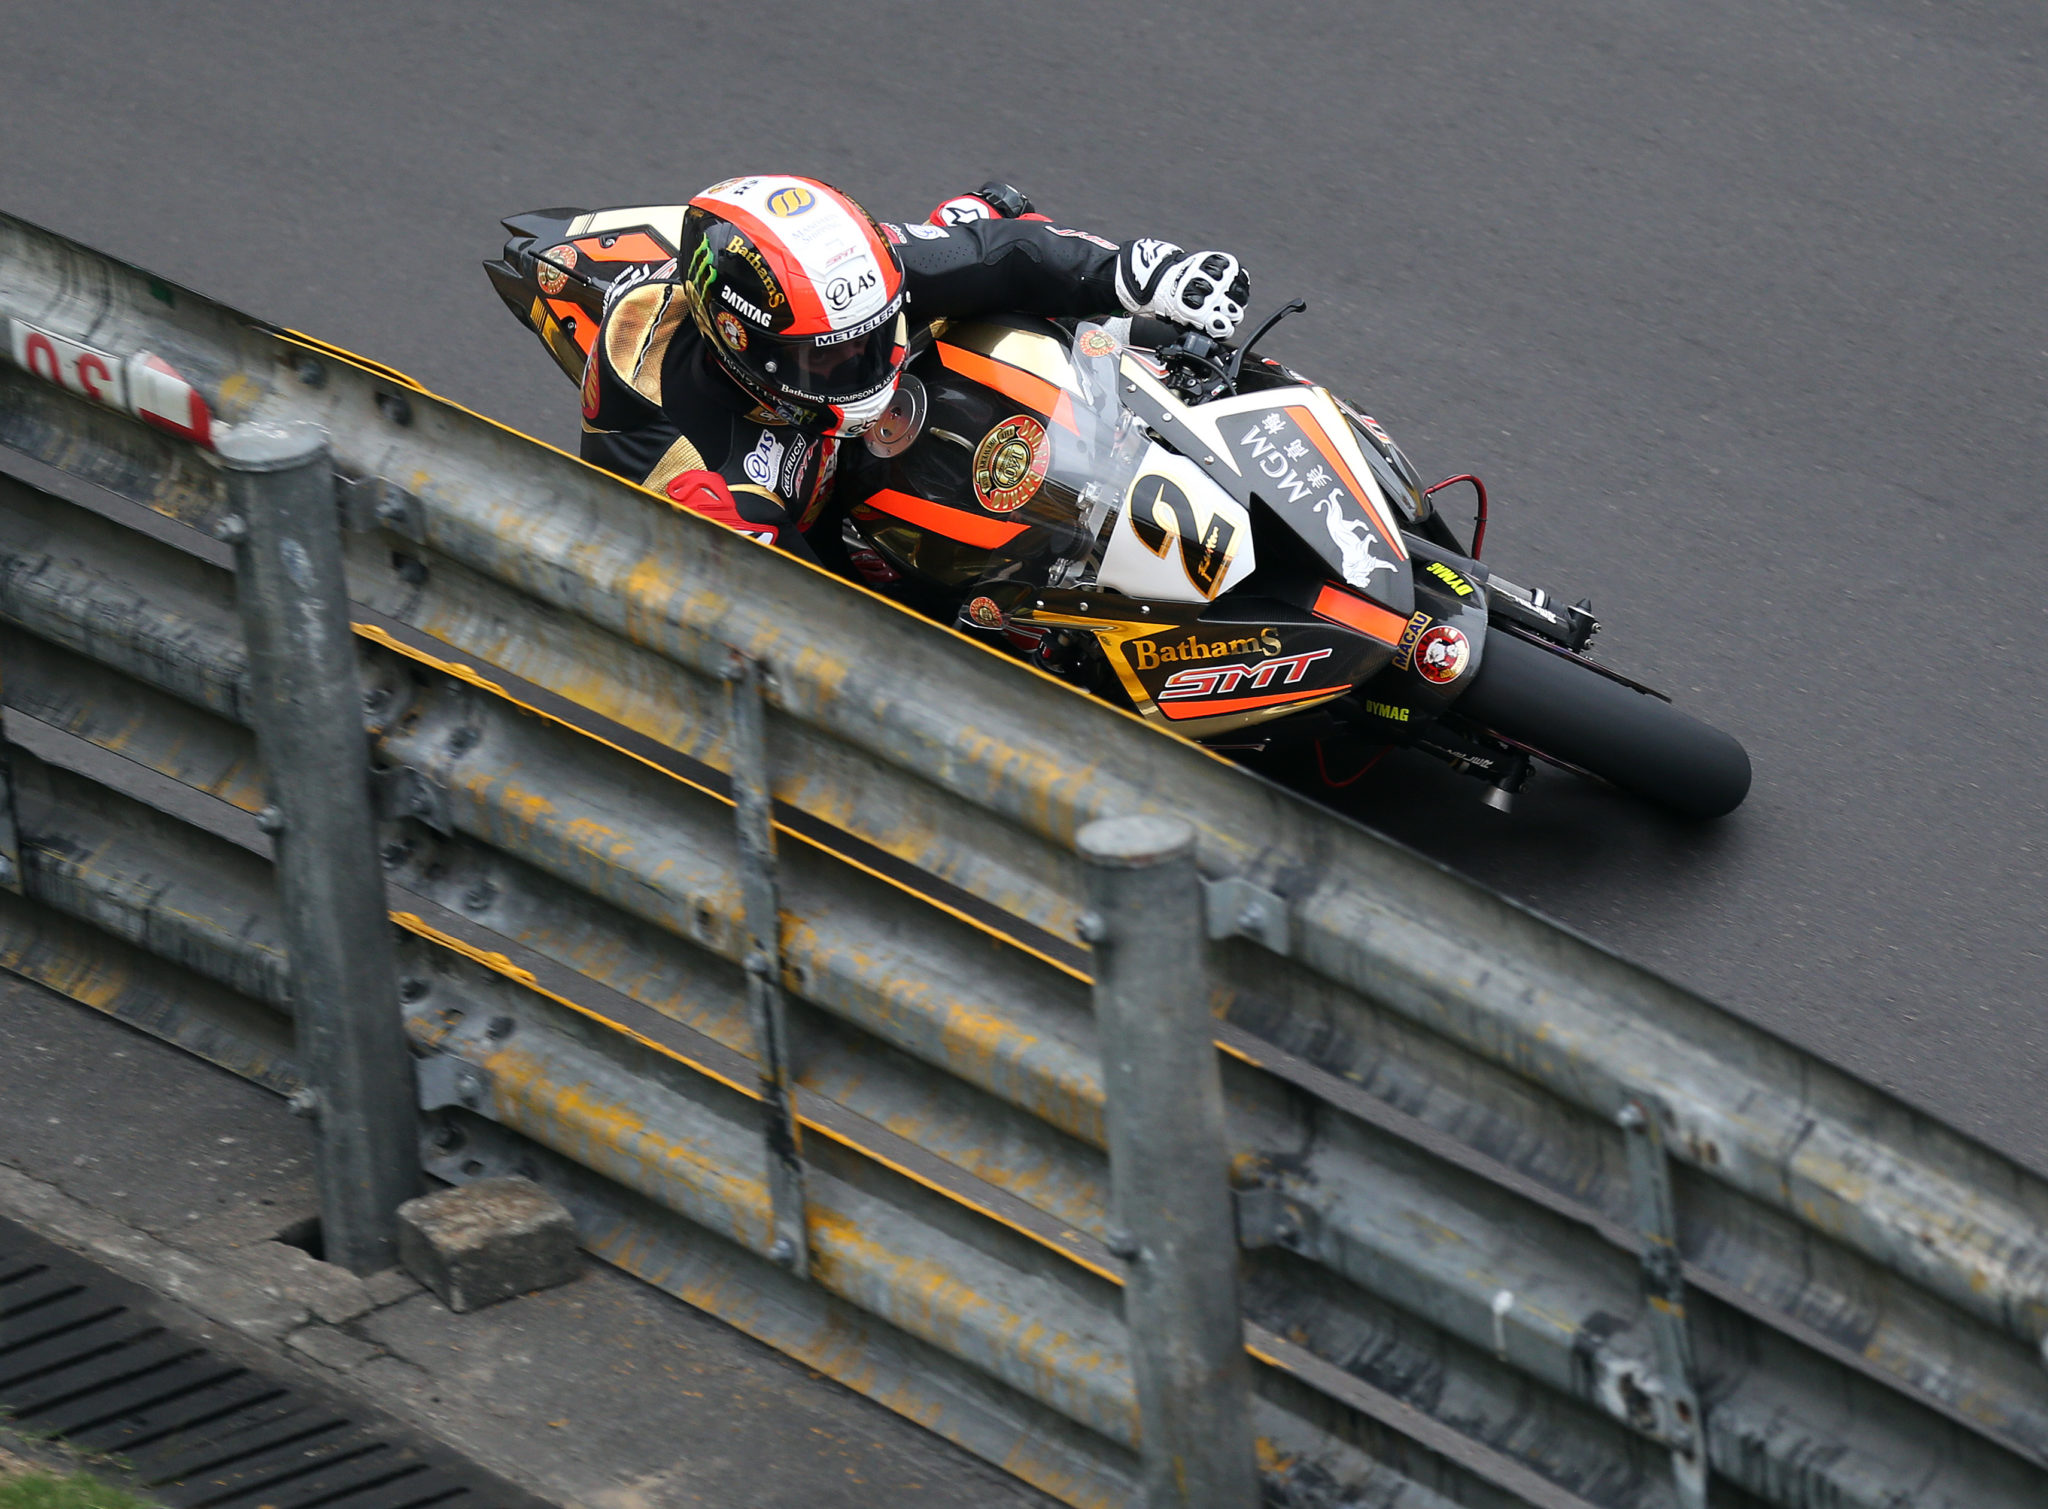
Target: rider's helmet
column 800, row 297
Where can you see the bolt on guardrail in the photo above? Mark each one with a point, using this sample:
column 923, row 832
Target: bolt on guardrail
column 293, row 602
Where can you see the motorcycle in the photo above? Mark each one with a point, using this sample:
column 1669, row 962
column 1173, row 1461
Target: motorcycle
column 1193, row 532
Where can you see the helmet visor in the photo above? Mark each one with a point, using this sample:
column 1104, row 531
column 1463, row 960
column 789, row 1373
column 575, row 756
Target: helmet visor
column 827, row 369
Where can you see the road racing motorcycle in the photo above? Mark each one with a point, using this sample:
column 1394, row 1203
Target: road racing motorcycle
column 1204, row 536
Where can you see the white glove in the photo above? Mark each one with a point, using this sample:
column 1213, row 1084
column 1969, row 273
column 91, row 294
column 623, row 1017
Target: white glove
column 1204, row 289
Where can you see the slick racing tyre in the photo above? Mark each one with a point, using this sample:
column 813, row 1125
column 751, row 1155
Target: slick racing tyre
column 1534, row 697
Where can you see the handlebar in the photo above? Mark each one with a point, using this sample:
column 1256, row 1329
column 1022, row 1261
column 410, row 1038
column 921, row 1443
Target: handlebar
column 1193, row 351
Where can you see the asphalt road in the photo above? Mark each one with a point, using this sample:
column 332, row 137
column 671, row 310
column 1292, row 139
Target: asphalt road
column 1738, row 305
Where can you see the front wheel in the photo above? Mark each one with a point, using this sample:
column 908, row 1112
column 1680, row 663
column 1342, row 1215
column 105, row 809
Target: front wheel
column 1534, row 697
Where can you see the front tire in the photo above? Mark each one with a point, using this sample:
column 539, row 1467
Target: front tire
column 1532, row 696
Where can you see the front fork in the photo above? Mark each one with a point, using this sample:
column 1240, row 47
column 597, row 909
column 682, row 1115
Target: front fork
column 1455, row 590
column 1536, row 611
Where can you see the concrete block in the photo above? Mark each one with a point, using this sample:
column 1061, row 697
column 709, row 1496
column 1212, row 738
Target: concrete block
column 479, row 1243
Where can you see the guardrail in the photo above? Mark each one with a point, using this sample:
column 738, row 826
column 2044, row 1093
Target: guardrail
column 1521, row 1222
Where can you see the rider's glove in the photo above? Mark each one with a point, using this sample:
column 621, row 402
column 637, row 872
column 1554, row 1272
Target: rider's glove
column 992, row 201
column 1204, row 289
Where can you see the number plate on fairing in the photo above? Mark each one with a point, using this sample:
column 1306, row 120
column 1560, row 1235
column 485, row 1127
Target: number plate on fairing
column 1291, row 450
column 1179, row 537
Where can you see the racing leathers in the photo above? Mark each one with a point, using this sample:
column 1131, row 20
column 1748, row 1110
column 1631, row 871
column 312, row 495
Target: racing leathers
column 659, row 410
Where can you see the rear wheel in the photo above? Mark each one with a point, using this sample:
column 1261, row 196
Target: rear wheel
column 1535, row 697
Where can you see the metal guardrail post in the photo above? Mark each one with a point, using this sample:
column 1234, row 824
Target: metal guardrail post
column 307, row 710
column 754, row 814
column 1656, row 1220
column 1169, row 1164
column 10, row 831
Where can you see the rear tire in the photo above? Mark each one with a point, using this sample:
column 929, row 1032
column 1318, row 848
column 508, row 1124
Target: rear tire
column 1532, row 696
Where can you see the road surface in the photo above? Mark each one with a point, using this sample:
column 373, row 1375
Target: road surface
column 1738, row 305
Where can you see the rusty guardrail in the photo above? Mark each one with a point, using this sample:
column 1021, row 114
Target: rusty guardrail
column 1521, row 1221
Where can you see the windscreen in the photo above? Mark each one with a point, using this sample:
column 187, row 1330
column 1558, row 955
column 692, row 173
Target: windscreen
column 1097, row 446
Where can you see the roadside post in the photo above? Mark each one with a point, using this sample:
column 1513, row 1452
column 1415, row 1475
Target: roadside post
column 1169, row 1164
column 753, row 801
column 305, row 702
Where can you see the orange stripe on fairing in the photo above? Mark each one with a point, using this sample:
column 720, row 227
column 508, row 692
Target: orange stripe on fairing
column 585, row 330
column 1354, row 612
column 1212, row 708
column 1312, row 427
column 638, row 247
column 967, row 528
column 1013, row 382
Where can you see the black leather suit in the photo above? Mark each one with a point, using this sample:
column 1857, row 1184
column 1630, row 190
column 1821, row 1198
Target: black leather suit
column 657, row 406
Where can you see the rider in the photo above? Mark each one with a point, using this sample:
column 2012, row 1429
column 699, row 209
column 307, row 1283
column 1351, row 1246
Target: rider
column 728, row 379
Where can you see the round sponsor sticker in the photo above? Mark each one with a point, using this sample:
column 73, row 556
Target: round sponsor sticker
column 550, row 277
column 790, row 201
column 564, row 254
column 1442, row 654
column 984, row 613
column 1098, row 343
column 1010, row 463
column 730, row 330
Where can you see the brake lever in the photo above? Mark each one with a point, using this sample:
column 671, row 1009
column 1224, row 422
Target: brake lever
column 1265, row 328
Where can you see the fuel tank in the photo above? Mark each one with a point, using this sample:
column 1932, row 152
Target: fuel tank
column 977, row 496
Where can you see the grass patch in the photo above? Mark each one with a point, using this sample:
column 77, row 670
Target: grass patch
column 44, row 1490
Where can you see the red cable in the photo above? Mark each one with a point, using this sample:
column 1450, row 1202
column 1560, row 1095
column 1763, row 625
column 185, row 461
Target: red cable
column 1479, row 527
column 1358, row 775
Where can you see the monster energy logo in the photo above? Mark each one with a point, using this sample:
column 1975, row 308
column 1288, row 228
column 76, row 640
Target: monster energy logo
column 702, row 273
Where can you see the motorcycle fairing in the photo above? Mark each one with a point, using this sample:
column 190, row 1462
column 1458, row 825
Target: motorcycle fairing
column 560, row 263
column 1205, row 673
column 1178, row 537
column 1296, row 453
column 1436, row 604
column 1292, row 450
